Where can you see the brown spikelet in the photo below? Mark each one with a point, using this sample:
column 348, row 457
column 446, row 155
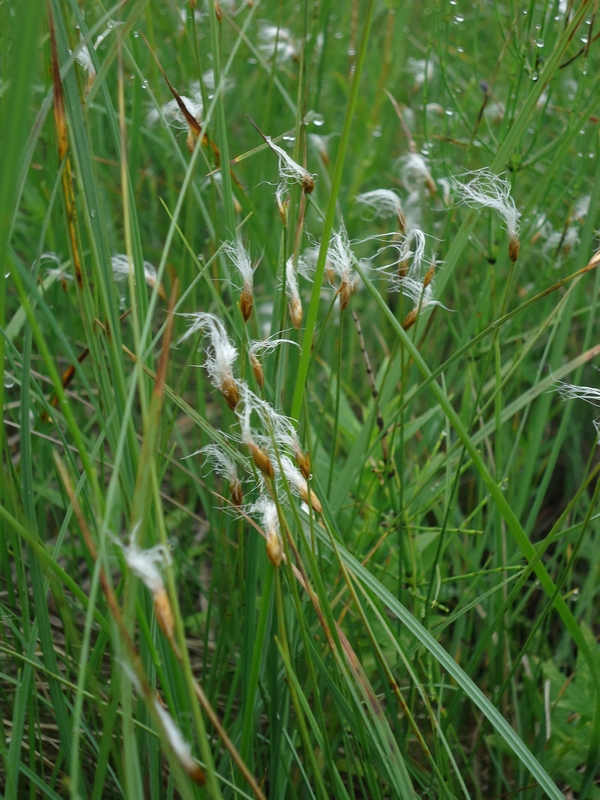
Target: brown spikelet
column 230, row 392
column 410, row 319
column 308, row 184
column 218, row 11
column 274, row 551
column 257, row 370
column 164, row 613
column 311, row 499
column 345, row 293
column 303, row 461
column 428, row 276
column 246, row 303
column 235, row 490
column 196, row 773
column 282, row 205
column 261, row 459
column 513, row 250
column 295, row 307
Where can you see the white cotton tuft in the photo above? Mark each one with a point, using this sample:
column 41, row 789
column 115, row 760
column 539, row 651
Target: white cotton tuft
column 415, row 174
column 219, row 361
column 277, row 43
column 289, row 171
column 488, row 190
column 382, row 203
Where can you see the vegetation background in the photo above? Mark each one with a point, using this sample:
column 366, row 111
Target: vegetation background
column 433, row 632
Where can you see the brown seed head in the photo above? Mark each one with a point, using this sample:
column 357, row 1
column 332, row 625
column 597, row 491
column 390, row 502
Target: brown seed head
column 164, row 614
column 513, row 250
column 274, row 550
column 261, row 459
column 345, row 293
column 303, row 461
column 235, row 490
column 410, row 319
column 311, row 499
column 196, row 773
column 308, row 184
column 428, row 276
column 257, row 370
column 246, row 303
column 230, row 392
column 296, row 313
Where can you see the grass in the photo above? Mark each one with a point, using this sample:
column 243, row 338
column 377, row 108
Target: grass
column 427, row 625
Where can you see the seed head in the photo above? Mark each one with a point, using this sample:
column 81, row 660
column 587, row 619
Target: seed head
column 289, row 171
column 422, row 69
column 414, row 173
column 293, row 293
column 298, row 484
column 260, row 348
column 340, row 258
column 250, row 402
column 145, row 564
column 277, row 43
column 383, row 203
column 241, row 261
column 568, row 391
column 181, row 748
column 266, row 510
column 172, row 114
column 487, row 190
column 223, row 465
column 120, row 267
column 219, row 361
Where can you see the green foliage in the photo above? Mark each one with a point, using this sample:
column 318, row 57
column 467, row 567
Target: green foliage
column 416, row 614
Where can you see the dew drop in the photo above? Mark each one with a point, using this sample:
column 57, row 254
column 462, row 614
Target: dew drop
column 9, row 380
column 252, row 61
column 136, row 34
column 459, row 18
column 318, row 121
column 376, row 131
column 449, row 112
column 539, row 42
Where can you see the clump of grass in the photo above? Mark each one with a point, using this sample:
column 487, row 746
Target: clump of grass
column 363, row 555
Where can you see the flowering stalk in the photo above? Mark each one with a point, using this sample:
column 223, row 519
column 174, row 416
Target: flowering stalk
column 223, row 465
column 260, row 456
column 293, row 293
column 262, row 347
column 340, row 259
column 298, row 484
column 266, row 509
column 289, row 170
column 241, row 260
column 180, row 747
column 219, row 363
column 487, row 190
column 144, row 564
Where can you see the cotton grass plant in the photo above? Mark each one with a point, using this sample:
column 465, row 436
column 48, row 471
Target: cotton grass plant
column 275, row 522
